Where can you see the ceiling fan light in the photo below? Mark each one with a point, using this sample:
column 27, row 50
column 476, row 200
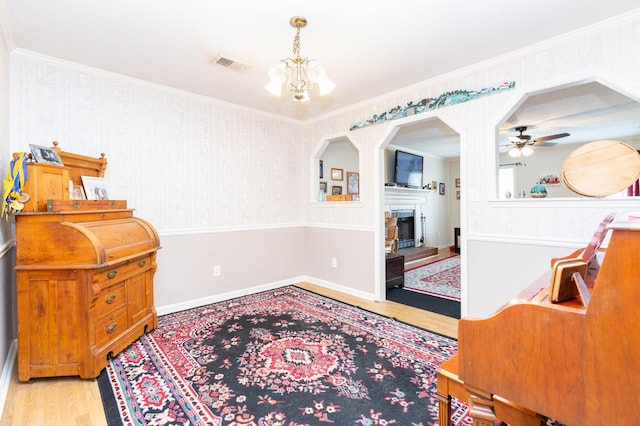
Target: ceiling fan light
column 527, row 151
column 514, row 152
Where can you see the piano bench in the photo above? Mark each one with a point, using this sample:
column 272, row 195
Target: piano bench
column 449, row 385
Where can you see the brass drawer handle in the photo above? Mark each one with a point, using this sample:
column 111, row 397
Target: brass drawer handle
column 112, row 274
column 142, row 262
column 112, row 327
column 110, row 299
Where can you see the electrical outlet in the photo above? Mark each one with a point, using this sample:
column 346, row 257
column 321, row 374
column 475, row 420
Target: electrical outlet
column 216, row 270
column 334, row 262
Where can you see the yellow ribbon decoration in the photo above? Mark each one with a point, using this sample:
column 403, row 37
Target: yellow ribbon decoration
column 14, row 182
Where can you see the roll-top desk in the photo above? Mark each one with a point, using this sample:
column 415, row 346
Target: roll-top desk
column 84, row 274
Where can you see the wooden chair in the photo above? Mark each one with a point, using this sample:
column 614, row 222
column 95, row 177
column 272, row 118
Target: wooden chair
column 391, row 241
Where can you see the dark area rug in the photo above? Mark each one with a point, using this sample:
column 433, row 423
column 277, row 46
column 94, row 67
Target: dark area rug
column 447, row 307
column 284, row 357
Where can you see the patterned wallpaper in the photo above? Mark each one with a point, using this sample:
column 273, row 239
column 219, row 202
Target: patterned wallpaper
column 182, row 161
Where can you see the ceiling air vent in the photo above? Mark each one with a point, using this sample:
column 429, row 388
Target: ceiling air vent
column 229, row 63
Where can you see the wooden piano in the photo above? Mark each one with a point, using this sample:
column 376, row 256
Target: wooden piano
column 573, row 362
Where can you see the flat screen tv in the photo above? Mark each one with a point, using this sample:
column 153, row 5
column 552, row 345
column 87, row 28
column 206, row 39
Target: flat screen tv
column 408, row 171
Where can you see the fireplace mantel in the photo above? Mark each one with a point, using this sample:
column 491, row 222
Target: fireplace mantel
column 395, row 195
column 408, row 198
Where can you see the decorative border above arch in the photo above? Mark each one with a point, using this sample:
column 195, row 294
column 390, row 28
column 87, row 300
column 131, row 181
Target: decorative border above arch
column 430, row 104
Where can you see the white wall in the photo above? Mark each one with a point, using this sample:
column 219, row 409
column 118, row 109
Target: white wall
column 598, row 53
column 8, row 327
column 454, row 200
column 213, row 178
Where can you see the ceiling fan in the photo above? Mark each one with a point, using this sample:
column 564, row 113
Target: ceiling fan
column 521, row 144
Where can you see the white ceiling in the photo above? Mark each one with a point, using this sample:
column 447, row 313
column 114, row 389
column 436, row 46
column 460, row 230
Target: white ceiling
column 369, row 47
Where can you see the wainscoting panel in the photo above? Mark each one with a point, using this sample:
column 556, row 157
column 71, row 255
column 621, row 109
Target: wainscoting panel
column 246, row 259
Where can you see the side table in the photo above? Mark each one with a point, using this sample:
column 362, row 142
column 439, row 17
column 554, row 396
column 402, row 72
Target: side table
column 394, row 270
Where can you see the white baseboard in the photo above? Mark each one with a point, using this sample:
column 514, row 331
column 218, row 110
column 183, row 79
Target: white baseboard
column 7, row 371
column 337, row 287
column 190, row 304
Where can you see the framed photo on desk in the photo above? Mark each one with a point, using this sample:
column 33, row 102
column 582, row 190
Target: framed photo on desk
column 42, row 154
column 95, row 188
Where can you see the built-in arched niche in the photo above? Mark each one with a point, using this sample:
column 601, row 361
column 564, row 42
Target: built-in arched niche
column 435, row 203
column 338, row 176
column 587, row 112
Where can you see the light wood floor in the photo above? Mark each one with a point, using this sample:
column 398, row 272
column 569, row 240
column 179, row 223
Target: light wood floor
column 73, row 401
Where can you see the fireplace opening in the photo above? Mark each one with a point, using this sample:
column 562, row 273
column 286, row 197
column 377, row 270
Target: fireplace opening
column 406, row 225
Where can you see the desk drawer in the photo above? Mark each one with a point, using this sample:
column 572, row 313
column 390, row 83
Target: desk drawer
column 122, row 271
column 109, row 300
column 110, row 326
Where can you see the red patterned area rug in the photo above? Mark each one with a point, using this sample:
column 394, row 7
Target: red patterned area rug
column 440, row 279
column 282, row 357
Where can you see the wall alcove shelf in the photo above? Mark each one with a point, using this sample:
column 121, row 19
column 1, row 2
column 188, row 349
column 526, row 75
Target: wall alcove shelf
column 84, row 274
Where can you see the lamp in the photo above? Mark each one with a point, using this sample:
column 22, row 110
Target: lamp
column 518, row 151
column 298, row 73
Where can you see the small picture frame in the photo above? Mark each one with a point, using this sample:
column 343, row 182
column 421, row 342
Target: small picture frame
column 321, row 170
column 441, row 188
column 458, row 195
column 77, row 193
column 336, row 190
column 323, row 187
column 42, row 154
column 353, row 183
column 336, row 174
column 95, row 188
column 457, row 182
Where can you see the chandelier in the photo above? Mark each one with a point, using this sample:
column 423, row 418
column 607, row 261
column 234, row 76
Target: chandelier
column 298, row 73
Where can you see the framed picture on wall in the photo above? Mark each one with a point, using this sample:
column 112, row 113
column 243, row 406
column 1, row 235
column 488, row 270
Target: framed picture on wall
column 336, row 174
column 441, row 188
column 336, row 190
column 323, row 187
column 321, row 169
column 457, row 182
column 353, row 183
